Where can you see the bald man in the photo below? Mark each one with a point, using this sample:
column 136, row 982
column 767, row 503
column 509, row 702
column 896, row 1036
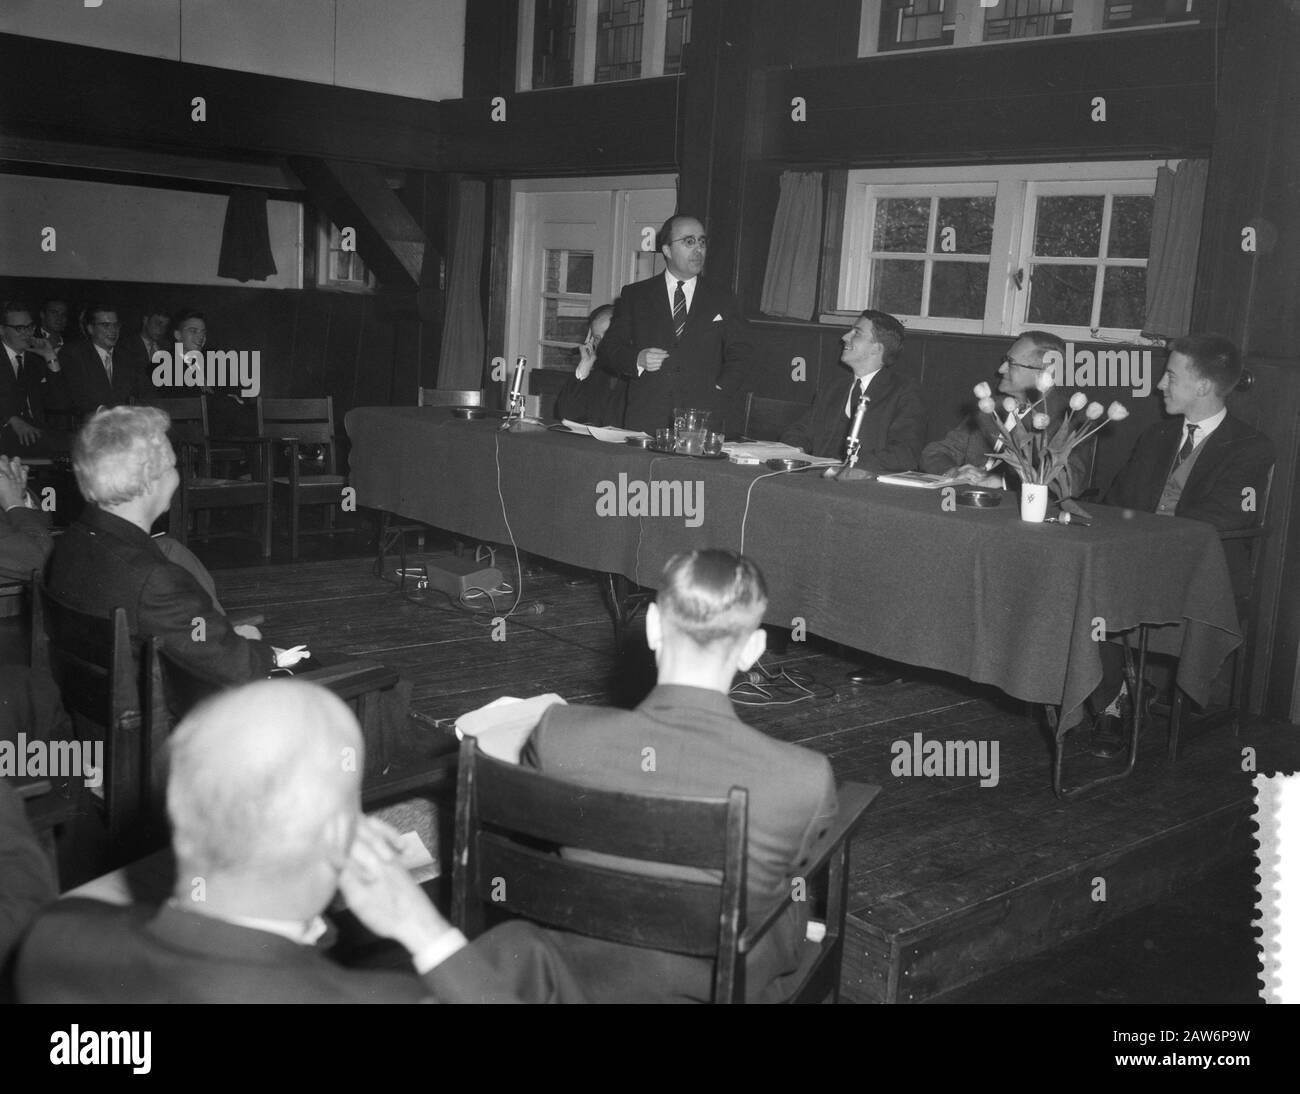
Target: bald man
column 265, row 805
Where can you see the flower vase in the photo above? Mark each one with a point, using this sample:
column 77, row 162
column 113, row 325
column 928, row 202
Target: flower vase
column 1033, row 501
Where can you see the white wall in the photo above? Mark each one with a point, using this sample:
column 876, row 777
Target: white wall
column 403, row 47
column 130, row 233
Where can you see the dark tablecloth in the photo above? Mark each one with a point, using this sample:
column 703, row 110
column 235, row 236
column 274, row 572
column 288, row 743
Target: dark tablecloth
column 886, row 569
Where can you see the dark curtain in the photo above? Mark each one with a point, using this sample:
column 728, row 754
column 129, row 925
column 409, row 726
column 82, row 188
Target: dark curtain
column 1175, row 243
column 245, row 238
column 460, row 364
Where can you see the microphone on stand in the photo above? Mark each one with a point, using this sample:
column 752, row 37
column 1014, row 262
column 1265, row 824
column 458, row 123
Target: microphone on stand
column 848, row 472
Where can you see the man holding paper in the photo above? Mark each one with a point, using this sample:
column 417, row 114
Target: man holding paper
column 703, row 629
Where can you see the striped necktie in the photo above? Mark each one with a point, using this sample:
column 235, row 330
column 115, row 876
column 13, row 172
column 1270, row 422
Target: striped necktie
column 1188, row 445
column 679, row 308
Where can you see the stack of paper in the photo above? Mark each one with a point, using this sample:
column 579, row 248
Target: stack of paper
column 607, row 433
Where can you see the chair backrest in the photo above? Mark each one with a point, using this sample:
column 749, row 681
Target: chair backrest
column 309, row 420
column 189, row 417
column 93, row 661
column 432, row 396
column 509, row 819
column 767, row 419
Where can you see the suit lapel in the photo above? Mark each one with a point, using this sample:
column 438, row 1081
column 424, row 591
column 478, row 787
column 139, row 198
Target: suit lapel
column 1212, row 452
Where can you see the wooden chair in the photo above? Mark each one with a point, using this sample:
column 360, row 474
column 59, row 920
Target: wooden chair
column 93, row 661
column 509, row 818
column 172, row 689
column 201, row 491
column 767, row 419
column 293, row 424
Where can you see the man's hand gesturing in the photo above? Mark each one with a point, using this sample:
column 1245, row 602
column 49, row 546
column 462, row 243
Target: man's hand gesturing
column 13, row 482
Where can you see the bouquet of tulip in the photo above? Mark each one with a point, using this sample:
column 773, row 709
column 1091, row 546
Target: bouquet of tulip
column 1034, row 455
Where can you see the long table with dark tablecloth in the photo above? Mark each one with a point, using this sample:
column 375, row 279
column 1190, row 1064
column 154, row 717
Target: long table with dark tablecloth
column 887, row 569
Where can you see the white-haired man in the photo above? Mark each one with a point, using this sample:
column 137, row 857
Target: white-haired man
column 265, row 805
column 126, row 470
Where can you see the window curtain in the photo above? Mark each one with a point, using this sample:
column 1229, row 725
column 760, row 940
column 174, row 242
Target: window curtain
column 1175, row 241
column 246, row 238
column 790, row 283
column 460, row 363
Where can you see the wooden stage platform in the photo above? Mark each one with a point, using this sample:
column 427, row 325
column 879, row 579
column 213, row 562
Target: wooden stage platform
column 951, row 880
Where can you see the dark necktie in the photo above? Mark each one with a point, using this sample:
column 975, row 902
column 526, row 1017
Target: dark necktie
column 1188, row 445
column 679, row 309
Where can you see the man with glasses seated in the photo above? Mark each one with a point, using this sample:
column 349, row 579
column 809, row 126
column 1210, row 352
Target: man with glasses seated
column 95, row 377
column 30, row 366
column 964, row 453
column 681, row 341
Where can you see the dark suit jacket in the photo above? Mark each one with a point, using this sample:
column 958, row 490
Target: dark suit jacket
column 600, row 399
column 23, row 395
column 713, row 352
column 893, row 429
column 86, row 951
column 1233, row 457
column 104, row 562
column 25, row 542
column 87, row 383
column 972, row 439
column 701, row 748
column 134, row 354
column 26, row 878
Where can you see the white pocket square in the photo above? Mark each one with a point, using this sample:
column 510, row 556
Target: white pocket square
column 718, row 318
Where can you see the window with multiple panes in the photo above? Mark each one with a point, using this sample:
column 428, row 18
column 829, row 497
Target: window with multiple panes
column 566, row 303
column 889, row 25
column 993, row 249
column 553, row 33
column 340, row 267
column 572, row 42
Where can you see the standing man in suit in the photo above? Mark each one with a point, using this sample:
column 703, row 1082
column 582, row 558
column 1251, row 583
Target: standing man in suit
column 703, row 629
column 96, row 375
column 679, row 339
column 1201, row 464
column 963, row 454
column 28, row 367
column 264, row 797
column 893, row 428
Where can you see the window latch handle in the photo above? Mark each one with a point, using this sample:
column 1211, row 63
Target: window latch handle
column 1019, row 278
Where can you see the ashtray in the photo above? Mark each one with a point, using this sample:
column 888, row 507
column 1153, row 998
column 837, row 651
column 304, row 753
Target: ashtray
column 978, row 498
column 469, row 413
column 639, row 442
column 783, row 464
column 652, row 447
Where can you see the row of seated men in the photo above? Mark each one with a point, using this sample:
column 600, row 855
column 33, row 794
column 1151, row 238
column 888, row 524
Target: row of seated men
column 54, row 380
column 267, row 819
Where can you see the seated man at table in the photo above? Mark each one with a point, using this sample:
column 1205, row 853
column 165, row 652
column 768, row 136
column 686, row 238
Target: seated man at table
column 126, row 470
column 1201, row 463
column 266, row 823
column 893, row 427
column 963, row 454
column 703, row 629
column 592, row 395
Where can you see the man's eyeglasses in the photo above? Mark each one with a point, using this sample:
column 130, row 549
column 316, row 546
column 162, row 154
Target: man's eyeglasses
column 107, row 326
column 25, row 328
column 1008, row 360
column 691, row 241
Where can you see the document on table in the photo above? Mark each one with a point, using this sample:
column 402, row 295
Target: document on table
column 916, row 478
column 755, row 452
column 607, row 433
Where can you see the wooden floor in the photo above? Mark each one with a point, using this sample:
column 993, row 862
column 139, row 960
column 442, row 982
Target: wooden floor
column 951, row 882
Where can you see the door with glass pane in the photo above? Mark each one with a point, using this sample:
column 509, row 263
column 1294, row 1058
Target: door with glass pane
column 566, row 261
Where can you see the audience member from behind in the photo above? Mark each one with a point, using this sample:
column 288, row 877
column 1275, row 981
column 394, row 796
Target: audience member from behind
column 265, row 806
column 126, row 470
column 703, row 629
column 593, row 395
column 29, row 367
column 95, row 375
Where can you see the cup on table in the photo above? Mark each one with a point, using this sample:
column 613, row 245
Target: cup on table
column 713, row 444
column 692, row 430
column 665, row 439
